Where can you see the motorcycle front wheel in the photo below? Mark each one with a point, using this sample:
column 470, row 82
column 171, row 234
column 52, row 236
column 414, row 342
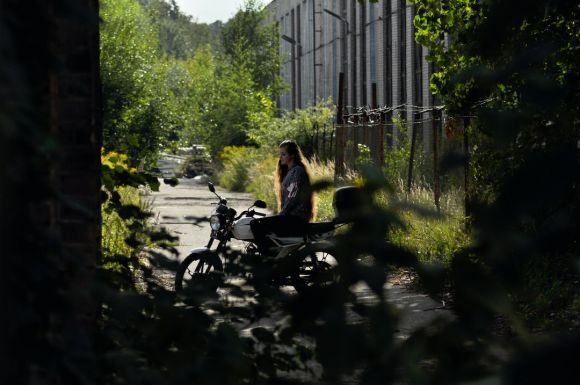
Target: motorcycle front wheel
column 196, row 268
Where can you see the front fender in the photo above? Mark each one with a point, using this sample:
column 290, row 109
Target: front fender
column 199, row 250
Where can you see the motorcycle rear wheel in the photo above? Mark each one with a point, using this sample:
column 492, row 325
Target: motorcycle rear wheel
column 317, row 269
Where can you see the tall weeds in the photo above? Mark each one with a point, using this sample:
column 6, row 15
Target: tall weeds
column 434, row 236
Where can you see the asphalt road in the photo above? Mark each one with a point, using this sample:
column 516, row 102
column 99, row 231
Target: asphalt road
column 185, row 209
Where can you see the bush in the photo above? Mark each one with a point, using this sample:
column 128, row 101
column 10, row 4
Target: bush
column 261, row 183
column 116, row 230
column 236, row 162
column 303, row 126
column 197, row 162
column 124, row 211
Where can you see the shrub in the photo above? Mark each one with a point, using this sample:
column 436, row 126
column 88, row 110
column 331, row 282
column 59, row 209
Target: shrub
column 261, row 183
column 124, row 210
column 116, row 230
column 303, row 126
column 237, row 162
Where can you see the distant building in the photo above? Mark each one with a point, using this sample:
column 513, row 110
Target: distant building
column 372, row 42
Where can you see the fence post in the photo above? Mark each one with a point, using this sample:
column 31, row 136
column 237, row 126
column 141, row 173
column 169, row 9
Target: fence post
column 436, row 182
column 339, row 145
column 340, row 106
column 381, row 140
column 332, row 139
column 411, row 158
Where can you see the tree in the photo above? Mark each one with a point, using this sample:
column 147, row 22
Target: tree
column 251, row 42
column 128, row 56
column 222, row 96
column 517, row 71
column 179, row 35
column 143, row 91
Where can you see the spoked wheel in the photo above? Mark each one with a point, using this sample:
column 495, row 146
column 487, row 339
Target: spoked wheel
column 195, row 269
column 317, row 268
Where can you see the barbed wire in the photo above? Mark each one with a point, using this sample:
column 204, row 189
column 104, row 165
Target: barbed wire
column 366, row 113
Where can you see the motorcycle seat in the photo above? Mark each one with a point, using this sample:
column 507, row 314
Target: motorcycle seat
column 320, row 227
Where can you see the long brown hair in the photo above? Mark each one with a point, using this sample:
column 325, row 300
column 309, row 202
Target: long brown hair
column 281, row 170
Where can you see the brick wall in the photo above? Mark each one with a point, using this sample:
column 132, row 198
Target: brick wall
column 50, row 136
column 76, row 119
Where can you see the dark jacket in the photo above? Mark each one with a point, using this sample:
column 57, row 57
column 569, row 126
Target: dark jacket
column 295, row 200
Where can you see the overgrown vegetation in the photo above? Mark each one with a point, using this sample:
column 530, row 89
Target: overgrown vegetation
column 169, row 82
column 126, row 196
column 518, row 75
column 514, row 68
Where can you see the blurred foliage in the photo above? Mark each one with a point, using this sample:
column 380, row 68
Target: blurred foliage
column 145, row 335
column 516, row 70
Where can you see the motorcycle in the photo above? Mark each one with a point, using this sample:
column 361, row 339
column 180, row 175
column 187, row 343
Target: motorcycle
column 299, row 260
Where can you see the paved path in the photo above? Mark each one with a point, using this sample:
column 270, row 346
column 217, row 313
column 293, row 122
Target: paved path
column 180, row 208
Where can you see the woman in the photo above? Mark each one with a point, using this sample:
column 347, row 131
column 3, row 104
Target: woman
column 293, row 183
column 295, row 200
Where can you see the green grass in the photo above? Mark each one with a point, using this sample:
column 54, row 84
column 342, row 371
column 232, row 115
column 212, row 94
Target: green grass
column 237, row 163
column 435, row 237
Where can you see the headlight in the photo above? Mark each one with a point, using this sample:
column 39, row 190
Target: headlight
column 215, row 222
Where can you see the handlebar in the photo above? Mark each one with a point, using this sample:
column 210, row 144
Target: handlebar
column 249, row 213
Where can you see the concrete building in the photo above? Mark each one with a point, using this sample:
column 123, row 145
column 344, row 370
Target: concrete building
column 372, row 43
